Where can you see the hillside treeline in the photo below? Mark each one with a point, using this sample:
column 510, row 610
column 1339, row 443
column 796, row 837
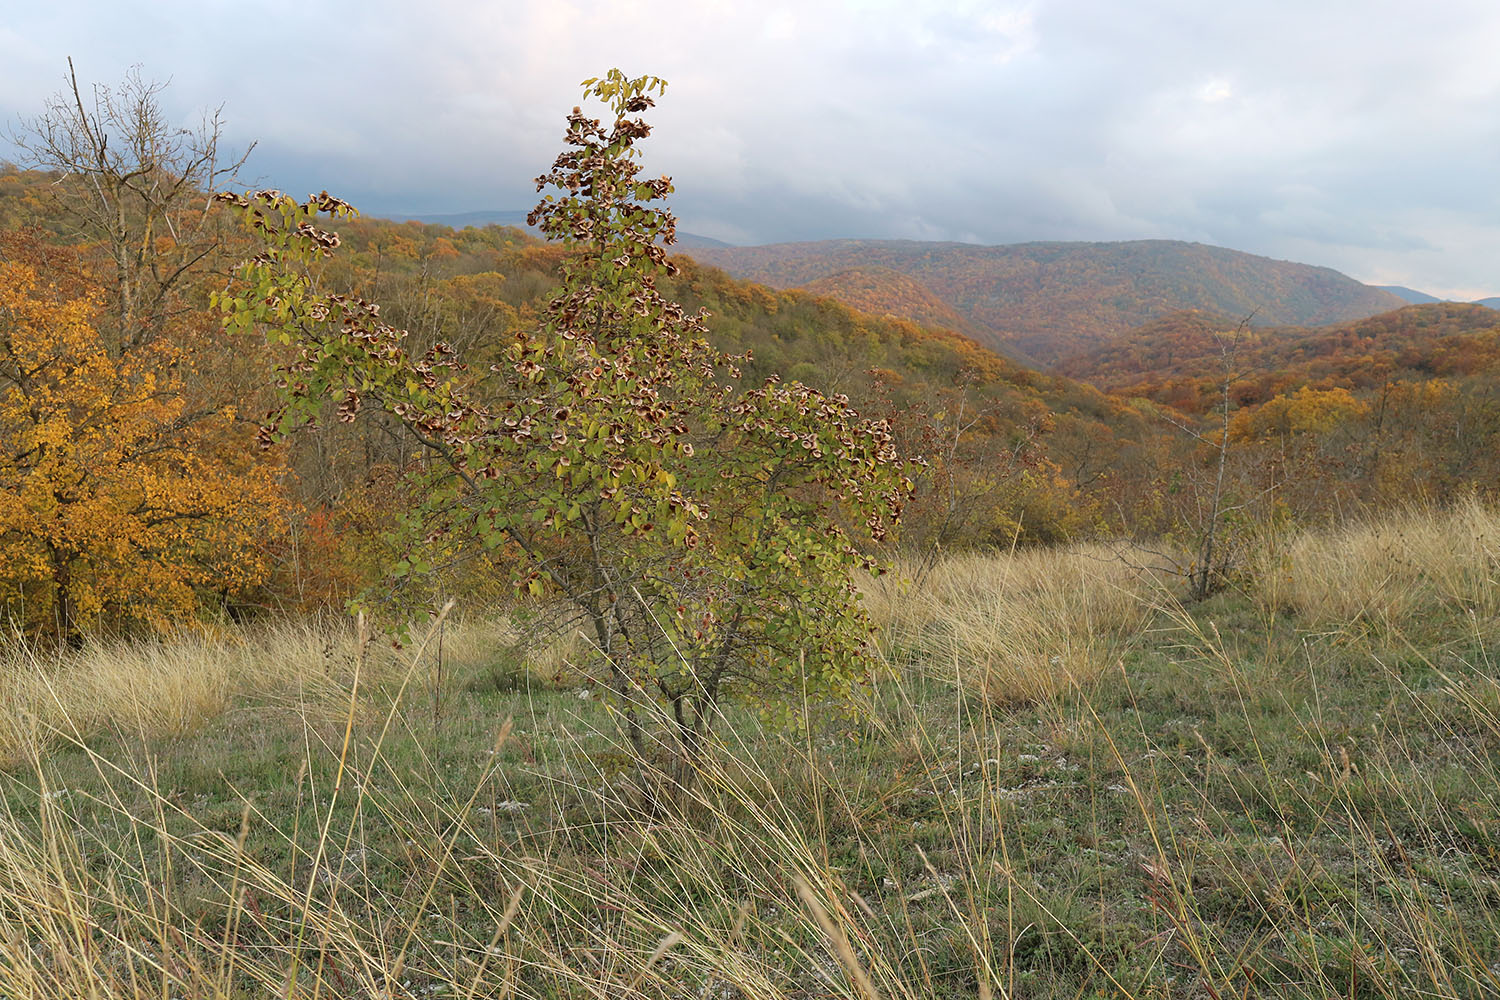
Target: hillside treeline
column 136, row 494
column 1365, row 414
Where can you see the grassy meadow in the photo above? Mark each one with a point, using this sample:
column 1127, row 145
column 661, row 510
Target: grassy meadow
column 1063, row 783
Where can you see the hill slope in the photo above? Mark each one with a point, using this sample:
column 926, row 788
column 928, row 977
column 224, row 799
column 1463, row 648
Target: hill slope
column 1052, row 300
column 882, row 291
column 1021, row 449
column 1409, row 294
column 1180, row 357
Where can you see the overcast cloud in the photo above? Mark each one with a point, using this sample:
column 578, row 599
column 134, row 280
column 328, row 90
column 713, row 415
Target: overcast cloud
column 1359, row 134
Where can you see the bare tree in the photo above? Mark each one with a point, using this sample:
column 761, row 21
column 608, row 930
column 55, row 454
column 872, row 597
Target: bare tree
column 1213, row 554
column 136, row 184
column 955, row 489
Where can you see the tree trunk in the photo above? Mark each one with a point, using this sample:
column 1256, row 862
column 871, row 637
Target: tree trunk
column 63, row 605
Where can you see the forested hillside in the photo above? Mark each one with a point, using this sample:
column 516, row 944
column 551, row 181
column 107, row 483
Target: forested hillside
column 1011, row 455
column 1348, row 416
column 1051, row 300
column 1180, row 358
column 1009, row 448
column 882, row 291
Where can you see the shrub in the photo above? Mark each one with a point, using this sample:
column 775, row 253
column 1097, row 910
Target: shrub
column 703, row 537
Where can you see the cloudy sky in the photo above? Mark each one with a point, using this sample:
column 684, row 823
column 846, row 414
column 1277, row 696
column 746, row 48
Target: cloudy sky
column 1359, row 134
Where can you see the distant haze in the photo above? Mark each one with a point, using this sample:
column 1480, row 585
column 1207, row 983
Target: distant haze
column 1360, row 135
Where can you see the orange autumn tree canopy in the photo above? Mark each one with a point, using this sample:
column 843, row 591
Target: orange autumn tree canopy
column 122, row 500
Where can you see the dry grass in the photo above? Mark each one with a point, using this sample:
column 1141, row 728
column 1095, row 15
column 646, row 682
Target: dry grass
column 1388, row 571
column 1212, row 826
column 157, row 688
column 170, row 687
column 84, row 916
column 128, row 891
column 1017, row 626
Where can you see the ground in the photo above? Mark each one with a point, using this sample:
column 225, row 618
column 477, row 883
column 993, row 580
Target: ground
column 1239, row 801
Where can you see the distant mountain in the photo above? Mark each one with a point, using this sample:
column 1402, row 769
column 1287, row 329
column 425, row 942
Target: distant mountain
column 1422, row 298
column 458, row 220
column 692, row 241
column 1053, row 300
column 1409, row 294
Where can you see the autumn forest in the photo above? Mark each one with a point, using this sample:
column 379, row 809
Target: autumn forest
column 133, row 415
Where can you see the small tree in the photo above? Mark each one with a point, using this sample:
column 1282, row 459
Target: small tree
column 1215, row 503
column 703, row 536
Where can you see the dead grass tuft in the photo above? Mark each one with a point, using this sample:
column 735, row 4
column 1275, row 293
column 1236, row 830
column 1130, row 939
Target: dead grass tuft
column 1388, row 571
column 1018, row 626
column 170, row 687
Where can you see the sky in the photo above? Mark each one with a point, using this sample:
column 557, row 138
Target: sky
column 1362, row 135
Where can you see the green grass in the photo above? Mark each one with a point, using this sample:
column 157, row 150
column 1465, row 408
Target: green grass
column 1244, row 803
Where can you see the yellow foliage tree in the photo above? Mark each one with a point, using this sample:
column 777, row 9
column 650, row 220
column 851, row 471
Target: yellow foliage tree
column 1307, row 411
column 122, row 500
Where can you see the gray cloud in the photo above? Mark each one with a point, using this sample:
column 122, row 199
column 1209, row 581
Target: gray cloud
column 1359, row 134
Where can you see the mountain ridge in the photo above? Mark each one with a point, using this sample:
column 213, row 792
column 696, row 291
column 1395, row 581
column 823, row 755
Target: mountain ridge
column 1051, row 299
column 1412, row 295
column 1416, row 297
